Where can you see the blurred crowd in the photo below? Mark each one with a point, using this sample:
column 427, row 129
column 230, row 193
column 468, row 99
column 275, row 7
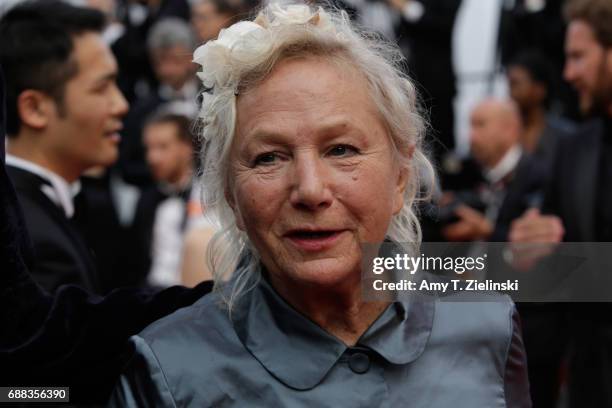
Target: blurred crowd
column 139, row 213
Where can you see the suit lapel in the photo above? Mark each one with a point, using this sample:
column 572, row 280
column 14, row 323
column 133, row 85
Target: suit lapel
column 89, row 275
column 30, row 184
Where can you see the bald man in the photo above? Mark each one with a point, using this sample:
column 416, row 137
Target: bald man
column 495, row 134
column 516, row 181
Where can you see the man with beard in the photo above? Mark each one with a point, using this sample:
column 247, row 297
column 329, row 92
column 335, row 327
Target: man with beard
column 578, row 202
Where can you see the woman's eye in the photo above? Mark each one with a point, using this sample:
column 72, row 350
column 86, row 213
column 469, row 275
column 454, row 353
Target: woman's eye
column 266, row 159
column 343, row 150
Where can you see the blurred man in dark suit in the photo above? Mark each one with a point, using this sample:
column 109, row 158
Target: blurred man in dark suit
column 495, row 129
column 166, row 211
column 579, row 196
column 544, row 325
column 73, row 338
column 64, row 115
column 531, row 88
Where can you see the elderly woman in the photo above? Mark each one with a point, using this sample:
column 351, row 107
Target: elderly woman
column 312, row 148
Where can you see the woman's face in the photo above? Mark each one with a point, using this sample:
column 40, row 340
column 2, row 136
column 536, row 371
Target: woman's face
column 312, row 173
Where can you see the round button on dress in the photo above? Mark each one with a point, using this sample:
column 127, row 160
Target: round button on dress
column 359, row 363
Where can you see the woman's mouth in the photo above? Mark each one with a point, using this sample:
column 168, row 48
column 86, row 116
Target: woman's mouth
column 313, row 240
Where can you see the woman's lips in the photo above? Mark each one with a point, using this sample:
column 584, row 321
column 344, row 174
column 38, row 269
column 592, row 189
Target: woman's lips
column 314, row 240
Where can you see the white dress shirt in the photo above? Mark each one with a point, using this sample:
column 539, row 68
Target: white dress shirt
column 505, row 166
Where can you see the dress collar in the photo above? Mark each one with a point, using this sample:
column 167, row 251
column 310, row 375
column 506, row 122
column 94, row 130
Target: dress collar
column 299, row 353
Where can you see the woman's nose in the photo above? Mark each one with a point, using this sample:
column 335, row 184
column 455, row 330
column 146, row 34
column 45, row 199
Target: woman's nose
column 310, row 183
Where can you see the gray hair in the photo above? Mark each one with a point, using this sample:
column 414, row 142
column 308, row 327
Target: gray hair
column 170, row 32
column 328, row 34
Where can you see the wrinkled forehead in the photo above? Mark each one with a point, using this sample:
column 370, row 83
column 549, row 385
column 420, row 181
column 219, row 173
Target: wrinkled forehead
column 313, row 87
column 338, row 62
column 294, row 76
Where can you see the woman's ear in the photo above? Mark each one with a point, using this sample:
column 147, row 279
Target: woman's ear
column 410, row 152
column 400, row 189
column 402, row 182
column 35, row 108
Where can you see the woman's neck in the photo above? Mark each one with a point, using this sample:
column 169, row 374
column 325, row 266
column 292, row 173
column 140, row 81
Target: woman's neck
column 339, row 311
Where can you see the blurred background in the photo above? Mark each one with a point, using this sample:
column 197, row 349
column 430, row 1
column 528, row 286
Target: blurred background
column 490, row 75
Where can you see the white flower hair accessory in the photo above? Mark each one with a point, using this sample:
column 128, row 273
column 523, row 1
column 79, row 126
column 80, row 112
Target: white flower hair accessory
column 222, row 59
column 234, row 43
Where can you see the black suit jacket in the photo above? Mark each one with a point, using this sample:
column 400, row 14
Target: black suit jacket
column 522, row 193
column 532, row 175
column 571, row 193
column 60, row 254
column 141, row 233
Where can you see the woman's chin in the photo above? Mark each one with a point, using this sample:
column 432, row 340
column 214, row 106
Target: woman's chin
column 326, row 274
